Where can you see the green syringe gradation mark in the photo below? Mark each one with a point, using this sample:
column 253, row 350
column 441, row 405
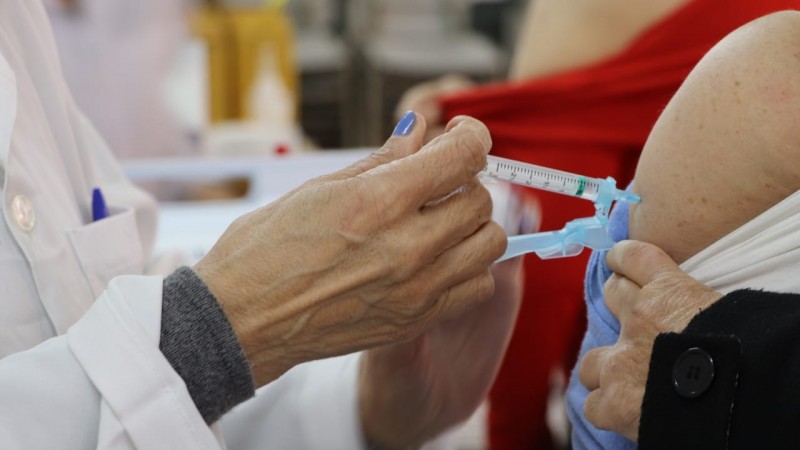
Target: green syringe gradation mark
column 581, row 186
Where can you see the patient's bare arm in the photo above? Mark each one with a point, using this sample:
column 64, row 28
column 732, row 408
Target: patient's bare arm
column 727, row 147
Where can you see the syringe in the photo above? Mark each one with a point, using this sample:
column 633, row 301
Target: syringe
column 589, row 232
column 547, row 179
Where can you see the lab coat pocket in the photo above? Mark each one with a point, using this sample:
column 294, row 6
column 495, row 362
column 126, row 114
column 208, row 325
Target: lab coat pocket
column 108, row 248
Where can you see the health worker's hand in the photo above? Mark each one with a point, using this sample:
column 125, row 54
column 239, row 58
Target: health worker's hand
column 424, row 98
column 373, row 254
column 411, row 392
column 649, row 294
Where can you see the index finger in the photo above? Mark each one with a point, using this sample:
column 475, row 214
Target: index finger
column 442, row 166
column 639, row 262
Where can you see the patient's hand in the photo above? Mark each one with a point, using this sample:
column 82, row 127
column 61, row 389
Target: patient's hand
column 649, row 294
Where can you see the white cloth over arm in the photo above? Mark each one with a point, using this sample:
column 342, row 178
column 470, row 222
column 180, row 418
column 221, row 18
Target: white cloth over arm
column 764, row 253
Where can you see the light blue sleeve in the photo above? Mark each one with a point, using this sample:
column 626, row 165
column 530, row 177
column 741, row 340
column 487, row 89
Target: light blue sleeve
column 603, row 329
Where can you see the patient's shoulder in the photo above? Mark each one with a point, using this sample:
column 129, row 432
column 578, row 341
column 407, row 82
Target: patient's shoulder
column 727, row 147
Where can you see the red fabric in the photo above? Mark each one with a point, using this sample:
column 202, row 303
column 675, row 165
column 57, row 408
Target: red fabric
column 591, row 121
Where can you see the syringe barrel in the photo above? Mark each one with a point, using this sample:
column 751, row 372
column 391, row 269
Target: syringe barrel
column 540, row 177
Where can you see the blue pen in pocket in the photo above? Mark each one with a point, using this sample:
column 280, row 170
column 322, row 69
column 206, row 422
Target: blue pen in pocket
column 99, row 208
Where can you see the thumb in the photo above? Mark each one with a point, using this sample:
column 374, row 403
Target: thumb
column 406, row 140
column 640, row 262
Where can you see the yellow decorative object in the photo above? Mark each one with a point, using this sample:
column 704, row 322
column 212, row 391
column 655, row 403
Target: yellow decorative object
column 277, row 4
column 235, row 39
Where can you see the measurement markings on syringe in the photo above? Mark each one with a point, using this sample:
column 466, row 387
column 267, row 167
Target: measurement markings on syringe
column 541, row 178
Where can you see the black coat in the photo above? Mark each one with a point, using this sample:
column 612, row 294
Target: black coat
column 739, row 385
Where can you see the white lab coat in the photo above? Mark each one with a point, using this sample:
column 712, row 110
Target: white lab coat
column 80, row 365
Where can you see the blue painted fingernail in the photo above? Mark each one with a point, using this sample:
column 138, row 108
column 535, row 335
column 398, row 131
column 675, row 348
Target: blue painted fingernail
column 406, row 124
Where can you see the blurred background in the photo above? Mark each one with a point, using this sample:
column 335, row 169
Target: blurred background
column 347, row 62
column 175, row 78
column 253, row 76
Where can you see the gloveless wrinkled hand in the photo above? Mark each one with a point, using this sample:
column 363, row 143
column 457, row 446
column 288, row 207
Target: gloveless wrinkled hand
column 372, row 254
column 649, row 294
column 411, row 392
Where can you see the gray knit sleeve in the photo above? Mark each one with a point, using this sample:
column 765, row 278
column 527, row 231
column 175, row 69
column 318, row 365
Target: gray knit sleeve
column 201, row 346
